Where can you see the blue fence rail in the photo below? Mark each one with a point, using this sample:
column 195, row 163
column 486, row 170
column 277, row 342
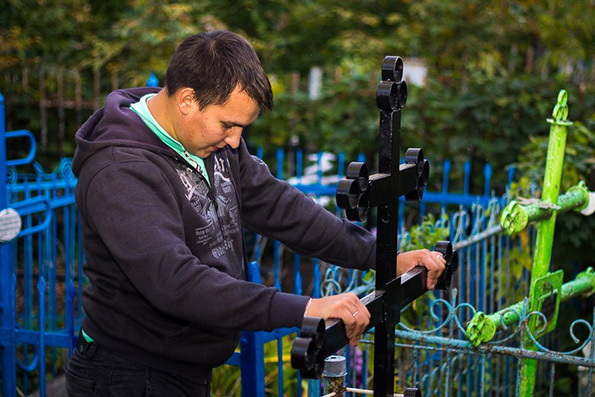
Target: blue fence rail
column 41, row 275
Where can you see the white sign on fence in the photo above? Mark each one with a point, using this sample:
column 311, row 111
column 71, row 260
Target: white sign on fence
column 10, row 224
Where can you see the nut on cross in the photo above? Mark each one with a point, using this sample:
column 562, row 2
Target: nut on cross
column 481, row 329
column 514, row 218
column 412, row 392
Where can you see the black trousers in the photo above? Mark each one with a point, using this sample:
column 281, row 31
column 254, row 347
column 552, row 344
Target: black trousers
column 92, row 371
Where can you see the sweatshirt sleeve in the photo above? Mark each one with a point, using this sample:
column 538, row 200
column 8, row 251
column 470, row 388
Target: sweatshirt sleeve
column 274, row 208
column 140, row 248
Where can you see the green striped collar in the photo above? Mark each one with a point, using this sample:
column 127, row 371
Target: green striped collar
column 142, row 109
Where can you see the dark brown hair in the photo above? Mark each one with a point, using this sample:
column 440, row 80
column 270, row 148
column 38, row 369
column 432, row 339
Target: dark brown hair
column 213, row 64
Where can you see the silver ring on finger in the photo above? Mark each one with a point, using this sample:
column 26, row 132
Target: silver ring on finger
column 356, row 313
column 439, row 256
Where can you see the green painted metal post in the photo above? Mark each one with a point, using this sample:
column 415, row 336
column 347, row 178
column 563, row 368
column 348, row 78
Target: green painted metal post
column 545, row 228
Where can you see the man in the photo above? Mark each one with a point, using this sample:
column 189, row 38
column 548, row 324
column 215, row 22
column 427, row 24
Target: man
column 166, row 186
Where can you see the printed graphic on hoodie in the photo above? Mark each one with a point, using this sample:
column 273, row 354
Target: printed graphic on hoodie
column 221, row 211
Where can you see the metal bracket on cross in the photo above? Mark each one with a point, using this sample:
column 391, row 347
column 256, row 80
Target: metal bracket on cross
column 357, row 194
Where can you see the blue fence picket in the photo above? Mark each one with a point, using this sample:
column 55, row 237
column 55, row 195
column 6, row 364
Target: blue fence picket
column 8, row 306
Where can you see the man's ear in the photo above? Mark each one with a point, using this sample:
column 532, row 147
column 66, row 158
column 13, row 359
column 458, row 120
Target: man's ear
column 185, row 100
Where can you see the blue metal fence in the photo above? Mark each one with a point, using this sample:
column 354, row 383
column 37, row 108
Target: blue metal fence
column 40, row 271
column 317, row 177
column 41, row 281
column 445, row 363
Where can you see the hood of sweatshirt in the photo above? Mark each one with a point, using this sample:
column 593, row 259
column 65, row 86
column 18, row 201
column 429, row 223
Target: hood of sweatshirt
column 116, row 125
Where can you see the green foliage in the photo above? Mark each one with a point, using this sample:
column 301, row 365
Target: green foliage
column 343, row 118
column 579, row 157
column 492, row 68
column 143, row 38
column 427, row 234
column 472, row 40
column 294, row 36
column 520, row 260
column 42, row 31
column 491, row 120
column 487, row 121
column 226, row 381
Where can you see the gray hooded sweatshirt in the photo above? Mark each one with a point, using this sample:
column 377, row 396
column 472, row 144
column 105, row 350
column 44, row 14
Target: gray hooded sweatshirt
column 164, row 249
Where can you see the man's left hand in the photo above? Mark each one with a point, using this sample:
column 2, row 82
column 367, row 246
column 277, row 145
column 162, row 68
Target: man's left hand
column 431, row 260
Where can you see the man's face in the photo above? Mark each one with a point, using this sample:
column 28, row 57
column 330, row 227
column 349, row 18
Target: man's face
column 204, row 131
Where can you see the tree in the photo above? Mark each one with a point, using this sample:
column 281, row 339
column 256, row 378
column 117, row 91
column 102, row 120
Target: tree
column 492, row 66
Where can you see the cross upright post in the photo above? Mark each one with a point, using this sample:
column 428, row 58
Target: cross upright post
column 390, row 100
column 357, row 194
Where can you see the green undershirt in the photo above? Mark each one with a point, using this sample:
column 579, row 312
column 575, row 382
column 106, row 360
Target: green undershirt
column 87, row 337
column 142, row 109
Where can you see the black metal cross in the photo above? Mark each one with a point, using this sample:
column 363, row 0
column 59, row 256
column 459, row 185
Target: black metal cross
column 357, row 194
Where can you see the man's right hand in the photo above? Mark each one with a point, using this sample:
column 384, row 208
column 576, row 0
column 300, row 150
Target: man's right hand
column 346, row 307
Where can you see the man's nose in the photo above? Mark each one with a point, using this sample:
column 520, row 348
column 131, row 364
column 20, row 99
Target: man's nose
column 233, row 139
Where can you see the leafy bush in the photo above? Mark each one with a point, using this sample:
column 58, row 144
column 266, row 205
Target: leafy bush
column 343, row 118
